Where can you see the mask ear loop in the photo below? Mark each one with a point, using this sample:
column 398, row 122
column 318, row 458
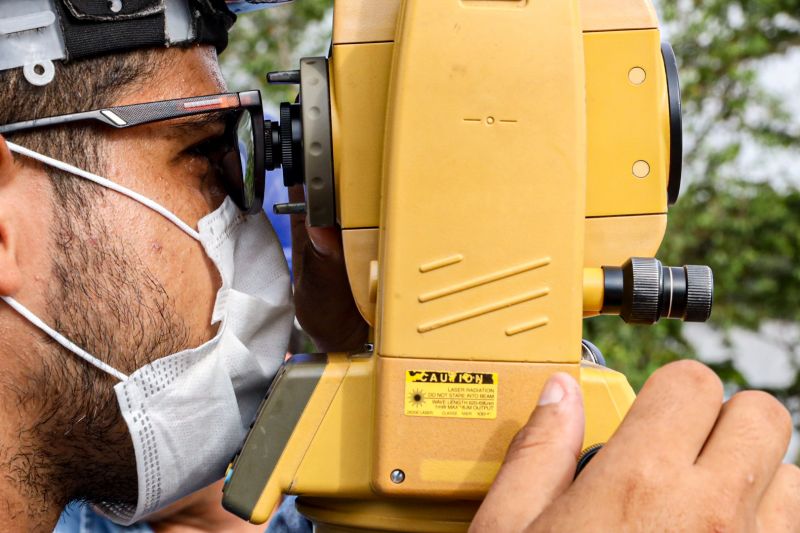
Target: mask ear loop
column 147, row 202
column 63, row 341
column 155, row 206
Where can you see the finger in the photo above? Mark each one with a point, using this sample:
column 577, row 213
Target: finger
column 300, row 241
column 324, row 303
column 779, row 510
column 326, row 241
column 540, row 462
column 748, row 442
column 675, row 410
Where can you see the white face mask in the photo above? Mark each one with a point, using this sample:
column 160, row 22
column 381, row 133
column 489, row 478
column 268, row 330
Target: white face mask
column 189, row 412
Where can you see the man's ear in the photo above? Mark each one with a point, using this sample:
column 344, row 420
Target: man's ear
column 10, row 275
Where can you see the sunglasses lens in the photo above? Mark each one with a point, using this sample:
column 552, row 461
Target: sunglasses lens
column 244, row 130
column 239, row 165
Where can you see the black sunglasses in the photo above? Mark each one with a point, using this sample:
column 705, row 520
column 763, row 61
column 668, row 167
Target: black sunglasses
column 239, row 155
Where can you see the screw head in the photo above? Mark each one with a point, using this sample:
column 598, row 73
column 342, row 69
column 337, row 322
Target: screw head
column 641, row 169
column 397, row 476
column 637, row 75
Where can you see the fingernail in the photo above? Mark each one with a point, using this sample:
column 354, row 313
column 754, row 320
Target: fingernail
column 553, row 392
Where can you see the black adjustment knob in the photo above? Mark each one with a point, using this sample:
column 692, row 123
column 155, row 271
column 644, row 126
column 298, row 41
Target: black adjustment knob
column 272, row 145
column 286, row 140
column 284, row 144
column 699, row 293
column 643, row 291
column 586, row 456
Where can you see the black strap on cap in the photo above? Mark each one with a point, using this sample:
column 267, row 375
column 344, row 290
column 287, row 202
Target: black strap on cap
column 212, row 22
column 92, row 27
column 106, row 10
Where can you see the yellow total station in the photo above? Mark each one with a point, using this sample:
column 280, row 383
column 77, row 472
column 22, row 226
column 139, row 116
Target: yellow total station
column 500, row 169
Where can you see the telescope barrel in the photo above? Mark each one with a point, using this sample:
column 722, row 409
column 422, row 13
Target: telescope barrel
column 643, row 291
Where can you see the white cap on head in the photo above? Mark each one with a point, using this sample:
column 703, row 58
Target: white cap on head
column 35, row 33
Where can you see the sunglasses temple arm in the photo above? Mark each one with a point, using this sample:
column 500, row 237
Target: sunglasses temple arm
column 61, row 120
column 137, row 114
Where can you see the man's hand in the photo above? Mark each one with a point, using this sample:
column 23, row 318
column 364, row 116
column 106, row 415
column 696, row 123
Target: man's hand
column 324, row 303
column 680, row 461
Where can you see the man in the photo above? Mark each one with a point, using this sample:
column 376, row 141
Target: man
column 124, row 383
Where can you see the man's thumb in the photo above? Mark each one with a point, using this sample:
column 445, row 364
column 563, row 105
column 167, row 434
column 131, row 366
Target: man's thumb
column 541, row 460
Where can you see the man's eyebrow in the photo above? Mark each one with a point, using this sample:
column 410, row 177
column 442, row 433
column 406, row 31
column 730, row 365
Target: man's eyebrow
column 196, row 125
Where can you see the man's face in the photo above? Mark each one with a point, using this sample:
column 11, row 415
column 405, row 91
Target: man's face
column 115, row 277
column 164, row 162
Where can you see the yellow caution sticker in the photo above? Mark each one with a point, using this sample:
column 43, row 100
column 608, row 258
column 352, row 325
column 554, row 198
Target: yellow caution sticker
column 451, row 394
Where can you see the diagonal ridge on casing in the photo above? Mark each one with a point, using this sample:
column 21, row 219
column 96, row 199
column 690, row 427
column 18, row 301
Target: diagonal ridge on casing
column 482, row 310
column 483, row 280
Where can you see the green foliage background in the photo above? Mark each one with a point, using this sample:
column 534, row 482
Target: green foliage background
column 276, row 39
column 747, row 229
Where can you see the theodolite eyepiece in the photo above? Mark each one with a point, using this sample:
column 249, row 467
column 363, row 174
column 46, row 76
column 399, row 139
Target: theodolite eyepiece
column 284, row 144
column 643, row 291
column 301, row 142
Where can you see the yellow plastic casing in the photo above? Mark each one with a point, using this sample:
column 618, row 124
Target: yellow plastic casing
column 359, row 86
column 593, row 291
column 627, row 123
column 321, row 458
column 471, row 237
column 628, row 119
column 328, row 458
column 607, row 396
column 461, row 289
column 486, row 166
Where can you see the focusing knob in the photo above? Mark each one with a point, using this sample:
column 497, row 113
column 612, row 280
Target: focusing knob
column 699, row 293
column 642, row 290
column 286, row 138
column 291, row 144
column 283, row 144
column 586, row 456
column 272, row 145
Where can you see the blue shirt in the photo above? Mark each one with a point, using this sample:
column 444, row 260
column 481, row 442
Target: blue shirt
column 80, row 518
